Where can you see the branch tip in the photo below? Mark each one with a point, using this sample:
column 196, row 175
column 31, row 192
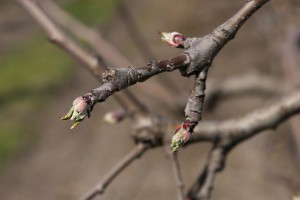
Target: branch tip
column 173, row 39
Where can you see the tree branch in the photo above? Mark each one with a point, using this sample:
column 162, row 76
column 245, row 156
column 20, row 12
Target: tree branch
column 195, row 60
column 234, row 131
column 107, row 51
column 198, row 57
column 229, row 29
column 59, row 38
column 244, row 84
column 97, row 42
column 133, row 30
column 101, row 46
column 177, row 173
column 194, row 107
column 138, row 151
column 290, row 64
column 202, row 188
column 140, row 42
column 227, row 134
column 92, row 63
column 120, row 78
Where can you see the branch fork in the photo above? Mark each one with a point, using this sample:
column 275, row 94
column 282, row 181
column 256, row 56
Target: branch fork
column 196, row 60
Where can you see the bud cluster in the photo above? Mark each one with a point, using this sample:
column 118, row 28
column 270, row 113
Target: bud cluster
column 82, row 107
column 182, row 135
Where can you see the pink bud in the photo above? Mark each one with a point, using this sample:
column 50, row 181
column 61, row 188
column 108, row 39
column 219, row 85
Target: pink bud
column 186, row 136
column 115, row 116
column 81, row 106
column 181, row 136
column 173, row 39
column 77, row 100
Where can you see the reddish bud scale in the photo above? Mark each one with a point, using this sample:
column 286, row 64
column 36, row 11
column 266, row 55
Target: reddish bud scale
column 187, row 125
column 173, row 39
column 182, row 134
column 87, row 99
column 179, row 41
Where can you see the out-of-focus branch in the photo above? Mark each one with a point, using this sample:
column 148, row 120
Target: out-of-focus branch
column 247, row 84
column 234, row 131
column 203, row 186
column 59, row 38
column 102, row 47
column 290, row 65
column 133, row 30
column 225, row 135
column 92, row 63
column 138, row 151
column 97, row 42
column 140, row 42
column 177, row 173
column 285, row 44
column 290, row 53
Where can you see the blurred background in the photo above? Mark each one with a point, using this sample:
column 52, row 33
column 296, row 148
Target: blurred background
column 41, row 158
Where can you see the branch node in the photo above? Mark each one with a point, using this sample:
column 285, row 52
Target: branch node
column 108, row 74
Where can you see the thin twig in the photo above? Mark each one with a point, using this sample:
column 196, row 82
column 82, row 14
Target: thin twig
column 102, row 47
column 58, row 37
column 177, row 172
column 140, row 42
column 97, row 42
column 91, row 63
column 203, row 186
column 133, row 30
column 135, row 153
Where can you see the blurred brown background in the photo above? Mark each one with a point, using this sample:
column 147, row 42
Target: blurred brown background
column 41, row 158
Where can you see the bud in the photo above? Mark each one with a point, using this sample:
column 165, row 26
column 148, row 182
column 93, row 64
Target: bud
column 182, row 135
column 114, row 116
column 173, row 39
column 82, row 106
